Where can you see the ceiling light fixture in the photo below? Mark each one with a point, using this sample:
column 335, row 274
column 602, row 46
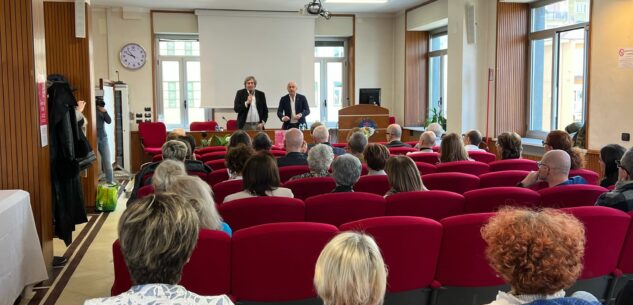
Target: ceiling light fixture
column 357, row 1
column 316, row 8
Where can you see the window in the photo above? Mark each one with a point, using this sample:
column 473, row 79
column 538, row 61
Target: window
column 330, row 74
column 438, row 64
column 558, row 63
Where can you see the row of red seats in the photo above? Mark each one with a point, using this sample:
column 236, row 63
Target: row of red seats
column 429, row 262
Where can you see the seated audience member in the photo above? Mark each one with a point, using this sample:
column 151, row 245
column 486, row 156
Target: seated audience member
column 157, row 236
column 261, row 142
column 293, row 142
column 452, row 149
column 352, row 132
column 559, row 139
column 608, row 157
column 235, row 160
column 621, row 197
column 394, row 135
column 553, row 169
column 180, row 135
column 239, row 137
column 509, row 145
column 314, row 126
column 426, row 142
column 304, row 147
column 319, row 159
column 472, row 139
column 538, row 253
column 261, row 178
column 346, row 172
column 438, row 131
column 321, row 135
column 376, row 156
column 403, row 175
column 625, row 297
column 165, row 174
column 350, row 271
column 356, row 145
column 198, row 193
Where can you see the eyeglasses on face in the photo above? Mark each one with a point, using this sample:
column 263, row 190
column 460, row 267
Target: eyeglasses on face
column 618, row 163
column 539, row 164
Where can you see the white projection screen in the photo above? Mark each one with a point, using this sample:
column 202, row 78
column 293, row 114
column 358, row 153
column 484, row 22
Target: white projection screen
column 274, row 47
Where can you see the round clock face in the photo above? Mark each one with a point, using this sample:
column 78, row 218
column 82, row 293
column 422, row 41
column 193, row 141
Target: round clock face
column 133, row 56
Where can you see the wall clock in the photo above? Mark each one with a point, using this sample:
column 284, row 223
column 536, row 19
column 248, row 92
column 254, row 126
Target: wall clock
column 133, row 56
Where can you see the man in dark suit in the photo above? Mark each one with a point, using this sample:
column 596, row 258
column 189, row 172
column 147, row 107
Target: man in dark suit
column 248, row 117
column 293, row 108
column 293, row 141
column 394, row 133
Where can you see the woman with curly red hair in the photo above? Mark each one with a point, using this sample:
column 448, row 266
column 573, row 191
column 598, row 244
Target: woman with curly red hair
column 538, row 253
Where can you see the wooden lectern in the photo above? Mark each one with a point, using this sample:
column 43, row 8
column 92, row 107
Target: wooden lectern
column 354, row 116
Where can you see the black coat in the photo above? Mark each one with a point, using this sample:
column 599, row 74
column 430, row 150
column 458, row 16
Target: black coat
column 285, row 109
column 242, row 111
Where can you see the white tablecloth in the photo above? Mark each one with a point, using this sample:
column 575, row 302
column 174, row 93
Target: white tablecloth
column 21, row 259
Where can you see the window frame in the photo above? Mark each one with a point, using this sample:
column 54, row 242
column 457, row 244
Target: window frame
column 442, row 31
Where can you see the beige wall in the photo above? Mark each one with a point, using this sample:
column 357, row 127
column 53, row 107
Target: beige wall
column 337, row 26
column 428, row 17
column 398, row 77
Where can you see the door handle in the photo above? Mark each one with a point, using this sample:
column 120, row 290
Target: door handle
column 324, row 103
column 185, row 104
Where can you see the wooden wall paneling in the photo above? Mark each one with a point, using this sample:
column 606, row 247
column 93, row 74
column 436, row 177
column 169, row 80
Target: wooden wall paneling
column 72, row 57
column 351, row 65
column 511, row 99
column 416, row 77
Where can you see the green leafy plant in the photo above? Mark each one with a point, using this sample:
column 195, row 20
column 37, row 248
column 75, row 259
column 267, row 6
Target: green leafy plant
column 436, row 117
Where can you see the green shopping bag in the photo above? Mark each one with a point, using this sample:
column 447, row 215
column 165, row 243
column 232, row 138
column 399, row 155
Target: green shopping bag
column 107, row 197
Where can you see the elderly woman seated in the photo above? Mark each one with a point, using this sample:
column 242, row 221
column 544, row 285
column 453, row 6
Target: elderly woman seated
column 261, row 178
column 319, row 159
column 158, row 235
column 346, row 172
column 165, row 174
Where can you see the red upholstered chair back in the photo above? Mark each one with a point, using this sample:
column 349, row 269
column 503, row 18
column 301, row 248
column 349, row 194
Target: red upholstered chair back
column 308, row 187
column 375, row 184
column 452, row 182
column 275, row 262
column 573, row 195
column 363, row 169
column 409, row 246
column 425, row 168
column 611, row 187
column 278, row 153
column 430, row 204
column 436, row 148
column 153, row 134
column 339, row 208
column 287, row 172
column 208, row 149
column 491, row 199
column 339, row 145
column 392, row 119
column 214, row 155
column 412, row 143
column 625, row 264
column 248, row 212
column 467, row 167
column 513, row 164
column 212, row 255
column 589, row 175
column 231, row 125
column 401, row 150
column 225, row 188
column 144, row 191
column 157, row 157
column 202, row 175
column 216, row 164
column 482, row 156
column 502, row 178
column 217, row 176
column 275, row 147
column 430, row 158
column 203, row 126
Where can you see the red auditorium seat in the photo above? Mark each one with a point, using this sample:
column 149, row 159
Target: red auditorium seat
column 214, row 155
column 339, row 145
column 482, row 156
column 339, row 208
column 153, row 135
column 463, row 272
column 412, row 143
column 208, row 149
column 392, row 119
column 573, row 195
column 401, row 150
column 144, row 191
column 491, row 199
column 625, row 263
column 502, row 178
column 430, row 204
column 217, row 176
column 308, row 187
column 275, row 147
column 278, row 153
column 375, row 184
column 436, row 148
column 513, row 164
column 203, row 126
column 589, row 175
column 157, row 157
column 249, row 212
column 212, row 256
column 425, row 168
column 430, row 158
column 452, row 182
column 467, row 167
column 225, row 188
column 287, row 172
column 364, row 170
column 605, row 231
column 410, row 247
column 231, row 125
column 274, row 263
column 216, row 164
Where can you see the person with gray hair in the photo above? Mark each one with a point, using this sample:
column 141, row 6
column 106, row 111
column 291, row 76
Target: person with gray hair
column 158, row 235
column 250, row 105
column 321, row 135
column 165, row 174
column 356, row 145
column 174, row 150
column 621, row 197
column 438, row 131
column 346, row 172
column 319, row 159
column 293, row 141
column 554, row 170
column 426, row 142
column 394, row 135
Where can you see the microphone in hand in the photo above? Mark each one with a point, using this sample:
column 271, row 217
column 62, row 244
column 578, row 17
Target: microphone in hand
column 224, row 119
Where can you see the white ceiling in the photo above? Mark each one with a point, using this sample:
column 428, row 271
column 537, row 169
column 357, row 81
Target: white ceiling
column 391, row 6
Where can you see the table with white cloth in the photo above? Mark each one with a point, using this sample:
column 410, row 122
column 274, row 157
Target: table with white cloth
column 21, row 259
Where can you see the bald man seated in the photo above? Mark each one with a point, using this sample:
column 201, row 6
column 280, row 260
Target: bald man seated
column 293, row 108
column 426, row 142
column 554, row 170
column 293, row 142
column 394, row 134
column 321, row 135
